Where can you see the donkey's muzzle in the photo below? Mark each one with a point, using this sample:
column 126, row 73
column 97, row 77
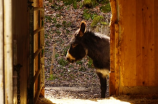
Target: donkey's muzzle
column 70, row 60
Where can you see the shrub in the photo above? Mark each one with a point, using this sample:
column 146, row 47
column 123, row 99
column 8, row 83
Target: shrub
column 106, row 8
column 96, row 20
column 86, row 14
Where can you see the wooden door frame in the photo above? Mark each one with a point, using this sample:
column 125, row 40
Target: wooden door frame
column 36, row 73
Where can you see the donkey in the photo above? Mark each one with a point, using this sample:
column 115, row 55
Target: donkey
column 97, row 47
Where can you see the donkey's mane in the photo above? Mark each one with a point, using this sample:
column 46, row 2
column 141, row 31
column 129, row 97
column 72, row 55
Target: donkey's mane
column 96, row 35
column 101, row 35
column 94, row 38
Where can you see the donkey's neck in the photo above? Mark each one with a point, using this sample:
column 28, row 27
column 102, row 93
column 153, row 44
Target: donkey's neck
column 98, row 48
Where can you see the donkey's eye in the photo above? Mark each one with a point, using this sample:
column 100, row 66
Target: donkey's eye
column 74, row 45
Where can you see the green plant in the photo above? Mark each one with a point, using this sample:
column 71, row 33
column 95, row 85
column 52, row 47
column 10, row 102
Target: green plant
column 86, row 14
column 58, row 15
column 78, row 0
column 103, row 23
column 68, row 7
column 69, row 2
column 106, row 8
column 58, row 25
column 48, row 18
column 50, row 1
column 64, row 23
column 58, row 7
column 70, row 66
column 52, row 77
column 62, row 62
column 103, row 1
column 90, row 62
column 46, row 36
column 93, row 15
column 54, row 20
column 90, row 3
column 47, row 43
column 82, row 69
column 67, row 31
column 96, row 20
column 81, row 4
column 79, row 62
column 75, row 4
column 65, row 50
column 56, row 55
column 62, row 74
column 72, row 76
column 58, row 32
column 69, row 24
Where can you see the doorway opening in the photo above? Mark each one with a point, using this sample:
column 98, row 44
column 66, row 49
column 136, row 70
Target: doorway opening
column 62, row 18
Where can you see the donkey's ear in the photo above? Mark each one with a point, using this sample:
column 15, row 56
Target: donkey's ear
column 82, row 28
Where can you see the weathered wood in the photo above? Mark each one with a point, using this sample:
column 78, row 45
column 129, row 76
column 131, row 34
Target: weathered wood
column 112, row 46
column 42, row 93
column 145, row 41
column 15, row 72
column 37, row 52
column 39, row 41
column 138, row 41
column 112, row 40
column 1, row 54
column 42, row 54
column 117, row 69
column 31, row 72
column 40, row 3
column 112, row 34
column 112, row 89
column 140, row 90
column 37, row 75
column 128, row 42
column 38, row 8
column 21, row 35
column 155, row 25
column 38, row 30
column 37, row 94
column 150, row 15
column 53, row 57
column 8, row 59
column 146, row 8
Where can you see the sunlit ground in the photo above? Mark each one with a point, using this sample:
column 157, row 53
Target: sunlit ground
column 111, row 100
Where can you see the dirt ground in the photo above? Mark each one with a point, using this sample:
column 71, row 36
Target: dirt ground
column 74, row 92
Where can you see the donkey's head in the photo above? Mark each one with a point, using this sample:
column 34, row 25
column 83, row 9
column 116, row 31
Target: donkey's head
column 77, row 50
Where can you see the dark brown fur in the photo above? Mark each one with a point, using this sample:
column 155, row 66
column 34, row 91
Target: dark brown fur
column 97, row 47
